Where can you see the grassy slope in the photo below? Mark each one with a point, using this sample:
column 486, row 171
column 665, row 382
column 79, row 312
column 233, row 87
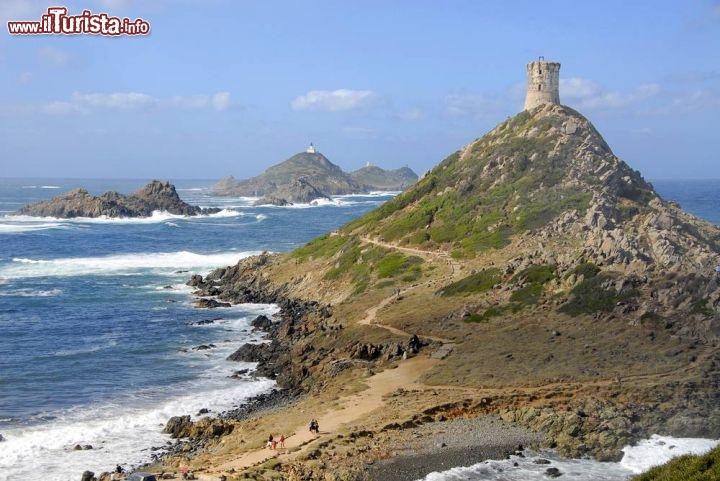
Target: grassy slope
column 686, row 468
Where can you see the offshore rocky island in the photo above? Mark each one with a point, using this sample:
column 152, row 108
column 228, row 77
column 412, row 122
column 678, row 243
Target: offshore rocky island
column 532, row 287
column 155, row 196
column 308, row 176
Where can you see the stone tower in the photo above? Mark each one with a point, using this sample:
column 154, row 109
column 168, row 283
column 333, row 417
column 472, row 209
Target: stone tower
column 543, row 83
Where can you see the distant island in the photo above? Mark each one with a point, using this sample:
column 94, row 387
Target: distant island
column 156, row 196
column 309, row 176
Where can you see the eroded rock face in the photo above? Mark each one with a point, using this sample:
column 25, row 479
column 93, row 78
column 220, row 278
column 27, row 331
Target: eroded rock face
column 298, row 191
column 203, row 429
column 156, row 196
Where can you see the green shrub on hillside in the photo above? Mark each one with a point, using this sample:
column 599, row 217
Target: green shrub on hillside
column 586, row 269
column 527, row 295
column 396, row 263
column 322, row 247
column 591, row 296
column 540, row 273
column 474, row 283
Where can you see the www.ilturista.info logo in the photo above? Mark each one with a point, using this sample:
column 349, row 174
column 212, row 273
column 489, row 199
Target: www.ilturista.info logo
column 57, row 22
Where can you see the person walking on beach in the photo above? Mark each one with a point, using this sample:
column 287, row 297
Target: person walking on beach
column 282, row 440
column 270, row 442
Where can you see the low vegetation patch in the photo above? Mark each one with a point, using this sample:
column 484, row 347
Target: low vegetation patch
column 536, row 273
column 396, row 264
column 595, row 295
column 586, row 269
column 474, row 283
column 322, row 247
column 527, row 295
column 491, row 312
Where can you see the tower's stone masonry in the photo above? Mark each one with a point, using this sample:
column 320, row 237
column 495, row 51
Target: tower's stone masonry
column 543, row 83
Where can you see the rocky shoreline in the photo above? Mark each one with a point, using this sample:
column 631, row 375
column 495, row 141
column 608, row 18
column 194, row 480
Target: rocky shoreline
column 450, row 434
column 442, row 446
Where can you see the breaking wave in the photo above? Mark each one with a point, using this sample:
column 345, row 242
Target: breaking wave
column 162, row 263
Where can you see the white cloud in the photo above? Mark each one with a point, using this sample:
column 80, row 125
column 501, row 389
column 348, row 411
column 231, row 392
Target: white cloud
column 221, row 101
column 53, row 56
column 61, row 108
column 128, row 101
column 575, row 88
column 586, row 94
column 120, row 100
column 335, row 100
column 411, row 115
column 693, row 101
column 470, row 105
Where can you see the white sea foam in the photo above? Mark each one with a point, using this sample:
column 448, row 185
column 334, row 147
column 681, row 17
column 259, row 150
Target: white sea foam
column 162, row 263
column 121, row 431
column 30, row 292
column 156, row 217
column 646, row 454
column 660, row 449
column 15, row 228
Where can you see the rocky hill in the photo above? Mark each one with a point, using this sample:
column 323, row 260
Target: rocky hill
column 376, row 178
column 320, row 179
column 156, row 196
column 546, row 280
column 280, row 180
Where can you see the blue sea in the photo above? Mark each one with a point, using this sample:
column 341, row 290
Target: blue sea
column 97, row 329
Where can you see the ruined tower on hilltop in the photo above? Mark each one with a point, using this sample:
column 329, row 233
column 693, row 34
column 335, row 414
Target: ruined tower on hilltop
column 543, row 83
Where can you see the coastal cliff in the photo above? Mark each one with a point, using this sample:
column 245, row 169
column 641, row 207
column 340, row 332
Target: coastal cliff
column 155, row 196
column 531, row 277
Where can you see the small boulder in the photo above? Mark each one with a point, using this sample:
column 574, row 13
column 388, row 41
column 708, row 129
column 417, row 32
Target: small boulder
column 178, row 426
column 88, row 476
column 553, row 472
column 210, row 303
column 261, row 322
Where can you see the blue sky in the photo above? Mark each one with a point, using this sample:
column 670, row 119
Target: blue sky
column 233, row 86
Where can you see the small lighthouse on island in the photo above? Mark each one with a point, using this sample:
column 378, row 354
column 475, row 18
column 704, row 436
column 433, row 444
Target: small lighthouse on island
column 311, row 149
column 543, row 83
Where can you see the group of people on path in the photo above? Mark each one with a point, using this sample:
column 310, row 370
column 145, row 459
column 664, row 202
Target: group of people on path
column 314, row 426
column 273, row 443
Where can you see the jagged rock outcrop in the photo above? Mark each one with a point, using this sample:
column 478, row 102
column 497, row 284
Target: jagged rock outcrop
column 203, row 429
column 156, row 196
column 298, row 191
